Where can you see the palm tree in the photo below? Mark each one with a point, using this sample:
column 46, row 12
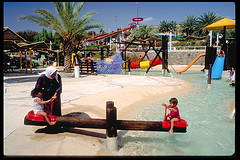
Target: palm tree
column 163, row 26
column 102, row 31
column 68, row 26
column 204, row 20
column 143, row 32
column 172, row 25
column 189, row 25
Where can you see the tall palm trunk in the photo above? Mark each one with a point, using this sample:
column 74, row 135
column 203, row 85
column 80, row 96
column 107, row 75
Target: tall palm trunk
column 68, row 47
column 67, row 63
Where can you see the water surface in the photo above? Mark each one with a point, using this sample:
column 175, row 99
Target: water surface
column 211, row 132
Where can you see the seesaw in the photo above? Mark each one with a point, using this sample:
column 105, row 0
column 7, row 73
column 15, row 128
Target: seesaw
column 111, row 124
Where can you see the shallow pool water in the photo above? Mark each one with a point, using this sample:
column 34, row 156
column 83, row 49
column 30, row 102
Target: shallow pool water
column 211, row 131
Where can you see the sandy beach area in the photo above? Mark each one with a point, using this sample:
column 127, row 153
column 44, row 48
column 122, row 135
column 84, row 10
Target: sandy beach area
column 87, row 94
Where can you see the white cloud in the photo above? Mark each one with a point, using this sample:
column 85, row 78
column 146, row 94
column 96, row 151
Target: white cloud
column 148, row 19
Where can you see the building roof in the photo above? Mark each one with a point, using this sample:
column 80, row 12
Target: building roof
column 11, row 45
column 10, row 35
column 14, row 42
column 36, row 45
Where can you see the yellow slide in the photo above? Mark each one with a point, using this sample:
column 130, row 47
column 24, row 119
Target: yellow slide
column 200, row 55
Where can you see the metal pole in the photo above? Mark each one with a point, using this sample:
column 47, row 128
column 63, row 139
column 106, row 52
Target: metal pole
column 170, row 40
column 85, row 43
column 110, row 42
column 57, row 58
column 30, row 60
column 26, row 59
column 210, row 33
column 209, row 75
column 20, row 53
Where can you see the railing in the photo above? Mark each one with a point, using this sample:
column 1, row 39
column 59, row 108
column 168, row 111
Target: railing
column 188, row 48
column 173, row 48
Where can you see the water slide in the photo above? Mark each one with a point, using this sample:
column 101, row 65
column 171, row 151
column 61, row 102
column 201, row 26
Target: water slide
column 101, row 36
column 200, row 55
column 217, row 67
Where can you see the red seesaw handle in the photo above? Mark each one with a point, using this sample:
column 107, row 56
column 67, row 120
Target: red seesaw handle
column 51, row 108
column 165, row 116
column 52, row 118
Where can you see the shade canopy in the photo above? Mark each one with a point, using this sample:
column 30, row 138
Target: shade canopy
column 36, row 45
column 9, row 35
column 11, row 45
column 219, row 25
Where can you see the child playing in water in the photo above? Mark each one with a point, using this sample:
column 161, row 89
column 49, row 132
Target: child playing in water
column 232, row 77
column 38, row 103
column 174, row 112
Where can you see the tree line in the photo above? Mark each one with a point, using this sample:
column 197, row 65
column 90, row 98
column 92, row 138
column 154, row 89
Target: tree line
column 192, row 25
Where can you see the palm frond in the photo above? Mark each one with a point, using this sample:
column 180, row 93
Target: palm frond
column 39, row 20
column 83, row 21
column 67, row 24
column 91, row 26
column 60, row 11
column 45, row 14
column 77, row 9
column 87, row 16
column 58, row 7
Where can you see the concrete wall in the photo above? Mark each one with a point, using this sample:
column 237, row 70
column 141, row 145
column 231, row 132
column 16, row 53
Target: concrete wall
column 175, row 57
column 184, row 57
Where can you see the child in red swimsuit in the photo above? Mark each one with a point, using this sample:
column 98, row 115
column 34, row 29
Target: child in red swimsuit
column 174, row 112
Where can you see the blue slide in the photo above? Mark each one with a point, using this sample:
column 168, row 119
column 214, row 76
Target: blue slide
column 217, row 67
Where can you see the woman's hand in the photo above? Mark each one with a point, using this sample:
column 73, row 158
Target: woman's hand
column 54, row 97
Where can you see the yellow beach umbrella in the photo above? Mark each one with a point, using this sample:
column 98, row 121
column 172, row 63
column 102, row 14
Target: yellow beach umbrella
column 219, row 25
column 222, row 24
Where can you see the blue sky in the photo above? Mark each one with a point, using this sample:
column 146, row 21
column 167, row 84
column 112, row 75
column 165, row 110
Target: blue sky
column 119, row 14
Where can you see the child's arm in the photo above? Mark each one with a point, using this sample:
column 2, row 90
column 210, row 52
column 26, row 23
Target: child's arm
column 42, row 102
column 174, row 110
column 165, row 105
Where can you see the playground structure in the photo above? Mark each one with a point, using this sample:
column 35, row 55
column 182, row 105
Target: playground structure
column 144, row 64
column 229, row 49
column 138, row 64
column 111, row 121
column 229, row 60
column 15, row 43
column 204, row 54
column 217, row 68
column 150, row 63
column 218, row 63
column 111, row 65
column 111, row 124
column 95, row 67
column 105, row 35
